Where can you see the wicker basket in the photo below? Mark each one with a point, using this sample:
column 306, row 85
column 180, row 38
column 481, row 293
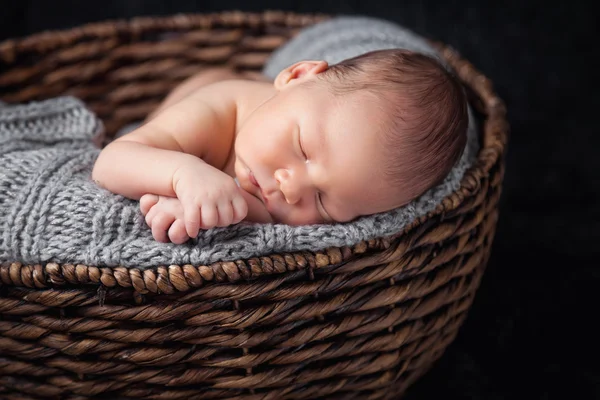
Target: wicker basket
column 360, row 322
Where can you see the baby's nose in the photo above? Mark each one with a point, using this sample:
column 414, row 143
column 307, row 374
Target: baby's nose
column 289, row 185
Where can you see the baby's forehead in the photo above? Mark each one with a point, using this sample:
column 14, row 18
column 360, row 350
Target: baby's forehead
column 364, row 116
column 359, row 116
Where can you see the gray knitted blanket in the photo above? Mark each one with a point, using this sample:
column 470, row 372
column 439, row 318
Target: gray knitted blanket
column 50, row 210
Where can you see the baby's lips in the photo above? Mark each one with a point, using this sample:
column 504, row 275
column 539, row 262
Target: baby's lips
column 253, row 179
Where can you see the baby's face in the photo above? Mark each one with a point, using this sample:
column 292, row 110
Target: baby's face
column 312, row 157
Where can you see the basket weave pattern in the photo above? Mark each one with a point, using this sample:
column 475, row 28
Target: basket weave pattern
column 352, row 322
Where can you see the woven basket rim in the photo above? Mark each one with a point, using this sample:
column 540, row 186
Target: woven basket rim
column 176, row 278
column 51, row 39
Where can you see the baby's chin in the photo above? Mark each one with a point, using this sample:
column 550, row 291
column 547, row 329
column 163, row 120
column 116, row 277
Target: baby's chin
column 257, row 212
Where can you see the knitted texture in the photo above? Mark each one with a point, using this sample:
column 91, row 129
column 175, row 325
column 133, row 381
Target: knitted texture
column 50, row 210
column 345, row 37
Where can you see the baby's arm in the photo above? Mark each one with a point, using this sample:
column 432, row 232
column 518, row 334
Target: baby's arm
column 180, row 153
column 192, row 84
column 198, row 130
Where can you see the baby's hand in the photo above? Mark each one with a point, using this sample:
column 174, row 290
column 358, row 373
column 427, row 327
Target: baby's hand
column 164, row 215
column 209, row 198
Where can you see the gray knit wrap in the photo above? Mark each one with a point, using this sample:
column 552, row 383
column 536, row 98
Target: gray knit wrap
column 50, row 210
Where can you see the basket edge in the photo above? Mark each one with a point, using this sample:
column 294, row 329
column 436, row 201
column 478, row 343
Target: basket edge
column 182, row 278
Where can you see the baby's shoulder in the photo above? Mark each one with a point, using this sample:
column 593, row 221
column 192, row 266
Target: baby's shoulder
column 246, row 94
column 239, row 86
column 247, row 89
column 234, row 91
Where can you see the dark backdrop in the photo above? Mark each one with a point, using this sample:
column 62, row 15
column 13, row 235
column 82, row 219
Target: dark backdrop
column 531, row 332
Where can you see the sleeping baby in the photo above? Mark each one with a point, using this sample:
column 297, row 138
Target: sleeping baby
column 321, row 144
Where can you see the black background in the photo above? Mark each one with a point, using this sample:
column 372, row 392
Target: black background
column 530, row 333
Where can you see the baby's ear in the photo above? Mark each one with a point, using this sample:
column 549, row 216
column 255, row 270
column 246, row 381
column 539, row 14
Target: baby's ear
column 299, row 72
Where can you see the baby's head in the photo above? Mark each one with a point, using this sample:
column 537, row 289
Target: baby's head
column 423, row 131
column 378, row 130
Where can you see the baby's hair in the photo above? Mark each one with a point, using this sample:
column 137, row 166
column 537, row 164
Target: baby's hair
column 426, row 132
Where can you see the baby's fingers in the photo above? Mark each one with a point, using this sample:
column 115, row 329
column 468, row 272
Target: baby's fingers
column 225, row 210
column 210, row 216
column 240, row 207
column 147, row 201
column 149, row 217
column 177, row 232
column 160, row 225
column 191, row 213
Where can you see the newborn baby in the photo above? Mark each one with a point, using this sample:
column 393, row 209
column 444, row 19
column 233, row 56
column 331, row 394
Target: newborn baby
column 320, row 144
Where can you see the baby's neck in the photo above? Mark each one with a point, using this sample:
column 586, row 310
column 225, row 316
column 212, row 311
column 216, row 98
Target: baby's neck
column 252, row 95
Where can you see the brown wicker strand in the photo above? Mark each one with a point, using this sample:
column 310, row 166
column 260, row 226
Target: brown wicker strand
column 358, row 322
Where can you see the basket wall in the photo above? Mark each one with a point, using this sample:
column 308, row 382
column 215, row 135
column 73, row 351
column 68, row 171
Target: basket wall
column 360, row 322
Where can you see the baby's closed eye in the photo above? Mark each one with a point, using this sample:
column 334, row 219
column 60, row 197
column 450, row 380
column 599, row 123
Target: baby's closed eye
column 321, row 208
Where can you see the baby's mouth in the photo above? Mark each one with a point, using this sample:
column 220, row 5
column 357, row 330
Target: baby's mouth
column 253, row 180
